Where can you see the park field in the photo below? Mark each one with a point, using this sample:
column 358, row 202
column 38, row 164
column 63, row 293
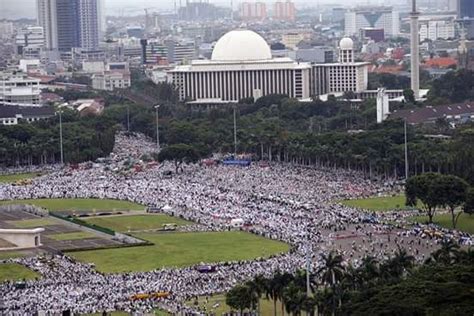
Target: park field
column 15, row 272
column 34, row 222
column 181, row 250
column 124, row 223
column 10, row 178
column 465, row 222
column 72, row 236
column 80, row 204
column 386, row 203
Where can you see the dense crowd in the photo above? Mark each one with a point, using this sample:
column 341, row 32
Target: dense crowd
column 294, row 204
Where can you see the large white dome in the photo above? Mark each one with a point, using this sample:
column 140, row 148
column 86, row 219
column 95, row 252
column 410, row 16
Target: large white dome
column 346, row 43
column 241, row 45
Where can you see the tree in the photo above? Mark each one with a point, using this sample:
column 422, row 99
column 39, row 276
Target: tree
column 427, row 189
column 409, row 96
column 241, row 297
column 468, row 206
column 331, row 272
column 453, row 190
column 179, row 153
column 448, row 253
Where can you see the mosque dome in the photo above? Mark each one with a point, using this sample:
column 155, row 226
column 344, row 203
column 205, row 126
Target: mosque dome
column 241, row 45
column 346, row 43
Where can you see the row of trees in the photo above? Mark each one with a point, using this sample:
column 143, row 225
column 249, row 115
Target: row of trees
column 436, row 190
column 391, row 287
column 39, row 143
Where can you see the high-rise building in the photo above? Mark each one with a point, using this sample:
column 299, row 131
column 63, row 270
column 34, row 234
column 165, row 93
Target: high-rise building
column 284, row 11
column 253, row 11
column 69, row 24
column 466, row 9
column 89, row 23
column 372, row 17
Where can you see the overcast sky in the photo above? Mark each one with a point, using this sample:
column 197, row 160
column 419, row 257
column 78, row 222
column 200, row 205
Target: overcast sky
column 14, row 9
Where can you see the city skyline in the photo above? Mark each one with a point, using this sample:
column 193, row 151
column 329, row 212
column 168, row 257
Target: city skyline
column 13, row 9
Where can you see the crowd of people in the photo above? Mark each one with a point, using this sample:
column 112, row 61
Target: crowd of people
column 294, row 204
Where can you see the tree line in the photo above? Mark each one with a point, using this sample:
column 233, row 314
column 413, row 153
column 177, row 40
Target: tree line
column 442, row 285
column 84, row 139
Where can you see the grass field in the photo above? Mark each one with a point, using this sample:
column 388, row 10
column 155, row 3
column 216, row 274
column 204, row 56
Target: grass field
column 11, row 254
column 181, row 249
column 14, row 272
column 31, row 223
column 79, row 204
column 72, row 236
column 10, row 178
column 266, row 306
column 135, row 222
column 379, row 203
column 465, row 222
column 115, row 313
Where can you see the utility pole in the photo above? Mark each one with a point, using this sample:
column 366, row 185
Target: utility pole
column 157, row 129
column 128, row 118
column 235, row 133
column 308, row 271
column 406, row 151
column 61, row 136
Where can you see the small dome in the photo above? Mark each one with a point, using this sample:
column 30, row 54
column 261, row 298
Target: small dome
column 346, row 43
column 241, row 45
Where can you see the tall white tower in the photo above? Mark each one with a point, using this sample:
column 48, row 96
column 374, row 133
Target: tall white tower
column 415, row 50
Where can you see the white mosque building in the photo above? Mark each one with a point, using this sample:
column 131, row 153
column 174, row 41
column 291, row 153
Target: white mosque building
column 242, row 66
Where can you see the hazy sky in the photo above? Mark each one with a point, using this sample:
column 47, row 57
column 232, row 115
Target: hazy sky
column 14, row 9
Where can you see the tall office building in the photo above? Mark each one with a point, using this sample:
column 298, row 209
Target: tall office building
column 385, row 18
column 466, row 9
column 253, row 11
column 284, row 11
column 89, row 23
column 71, row 23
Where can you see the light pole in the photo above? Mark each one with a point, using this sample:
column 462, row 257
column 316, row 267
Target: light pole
column 128, row 117
column 157, row 128
column 61, row 136
column 406, row 150
column 235, row 134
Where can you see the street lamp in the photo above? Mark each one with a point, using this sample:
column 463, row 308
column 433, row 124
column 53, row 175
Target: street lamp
column 61, row 135
column 406, row 150
column 157, row 128
column 235, row 134
column 128, row 117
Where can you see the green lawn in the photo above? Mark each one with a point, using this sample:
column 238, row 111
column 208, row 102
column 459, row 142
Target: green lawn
column 135, row 222
column 72, row 236
column 12, row 254
column 378, row 203
column 266, row 306
column 465, row 222
column 115, row 313
column 79, row 204
column 32, row 223
column 181, row 249
column 10, row 178
column 14, row 272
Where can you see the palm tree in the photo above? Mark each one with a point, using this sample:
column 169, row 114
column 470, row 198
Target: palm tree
column 257, row 287
column 448, row 253
column 398, row 265
column 293, row 298
column 332, row 272
column 275, row 287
